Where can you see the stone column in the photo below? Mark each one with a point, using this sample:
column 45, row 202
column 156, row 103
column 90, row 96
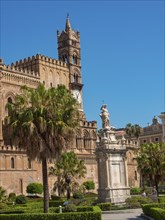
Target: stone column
column 126, row 171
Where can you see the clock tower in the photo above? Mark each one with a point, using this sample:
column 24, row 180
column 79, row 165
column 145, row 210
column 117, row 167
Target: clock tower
column 69, row 52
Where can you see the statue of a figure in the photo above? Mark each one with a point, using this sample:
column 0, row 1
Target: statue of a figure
column 105, row 116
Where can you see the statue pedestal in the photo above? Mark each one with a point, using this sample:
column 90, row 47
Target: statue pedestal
column 112, row 169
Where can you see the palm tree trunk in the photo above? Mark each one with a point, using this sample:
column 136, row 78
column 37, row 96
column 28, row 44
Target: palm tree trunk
column 45, row 185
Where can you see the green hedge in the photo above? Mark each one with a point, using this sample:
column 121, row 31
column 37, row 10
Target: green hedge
column 154, row 209
column 105, row 206
column 95, row 215
column 54, row 203
column 135, row 191
column 161, row 199
column 84, row 208
column 157, row 213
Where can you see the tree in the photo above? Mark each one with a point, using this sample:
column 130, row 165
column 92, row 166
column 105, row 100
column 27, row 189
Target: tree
column 2, row 194
column 68, row 169
column 151, row 162
column 133, row 130
column 89, row 185
column 43, row 122
column 129, row 130
column 34, row 188
column 137, row 130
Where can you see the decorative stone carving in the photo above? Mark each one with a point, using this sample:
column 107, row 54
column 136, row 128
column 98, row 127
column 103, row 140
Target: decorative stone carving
column 112, row 169
column 105, row 117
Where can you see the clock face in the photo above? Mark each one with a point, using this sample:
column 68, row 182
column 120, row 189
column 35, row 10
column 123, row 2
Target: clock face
column 77, row 95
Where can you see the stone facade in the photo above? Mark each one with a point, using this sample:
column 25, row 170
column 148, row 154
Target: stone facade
column 152, row 133
column 16, row 170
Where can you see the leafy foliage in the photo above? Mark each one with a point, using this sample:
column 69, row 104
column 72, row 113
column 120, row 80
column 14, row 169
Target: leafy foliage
column 43, row 123
column 89, row 185
column 2, row 194
column 12, row 197
column 21, row 199
column 70, row 208
column 151, row 162
column 78, row 195
column 133, row 130
column 35, row 188
column 68, row 169
column 135, row 191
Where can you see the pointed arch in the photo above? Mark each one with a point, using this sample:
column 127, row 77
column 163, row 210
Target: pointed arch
column 12, row 163
column 75, row 57
column 86, row 139
column 75, row 77
column 94, row 135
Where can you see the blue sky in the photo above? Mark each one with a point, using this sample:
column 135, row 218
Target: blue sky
column 122, row 50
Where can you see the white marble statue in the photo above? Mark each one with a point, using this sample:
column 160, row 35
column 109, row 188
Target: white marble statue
column 105, row 116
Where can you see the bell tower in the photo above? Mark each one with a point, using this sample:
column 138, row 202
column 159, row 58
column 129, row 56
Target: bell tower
column 69, row 52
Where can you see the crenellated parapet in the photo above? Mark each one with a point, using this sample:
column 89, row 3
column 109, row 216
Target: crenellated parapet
column 38, row 58
column 9, row 148
column 15, row 75
column 89, row 124
column 20, row 71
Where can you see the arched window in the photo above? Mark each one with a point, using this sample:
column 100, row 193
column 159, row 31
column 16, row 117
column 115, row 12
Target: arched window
column 9, row 100
column 12, row 163
column 86, row 140
column 65, row 58
column 74, row 59
column 75, row 78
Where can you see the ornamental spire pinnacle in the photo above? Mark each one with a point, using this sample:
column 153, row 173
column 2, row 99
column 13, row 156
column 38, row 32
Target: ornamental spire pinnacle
column 68, row 25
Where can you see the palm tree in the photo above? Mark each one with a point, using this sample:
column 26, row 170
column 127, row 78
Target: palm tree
column 151, row 162
column 133, row 130
column 69, row 169
column 129, row 130
column 137, row 130
column 43, row 122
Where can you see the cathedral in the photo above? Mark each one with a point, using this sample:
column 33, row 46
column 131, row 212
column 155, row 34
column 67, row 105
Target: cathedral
column 16, row 169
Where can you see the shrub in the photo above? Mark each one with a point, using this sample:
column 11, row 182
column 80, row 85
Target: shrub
column 105, row 206
column 91, row 194
column 2, row 194
column 154, row 210
column 157, row 213
column 78, row 195
column 35, row 188
column 136, row 201
column 95, row 214
column 2, row 205
column 135, row 191
column 70, row 208
column 54, row 197
column 89, row 185
column 54, row 203
column 21, row 199
column 12, row 197
column 161, row 199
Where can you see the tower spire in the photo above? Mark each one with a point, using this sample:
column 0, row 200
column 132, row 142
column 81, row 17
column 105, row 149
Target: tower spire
column 68, row 25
